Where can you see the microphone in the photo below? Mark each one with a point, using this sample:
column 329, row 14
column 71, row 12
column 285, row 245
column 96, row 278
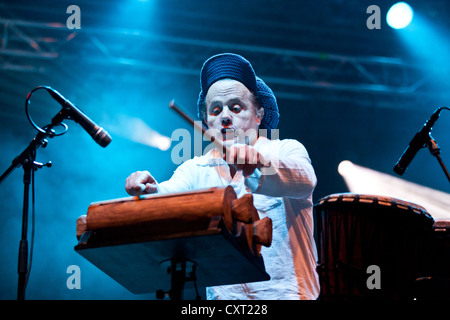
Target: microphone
column 97, row 133
column 418, row 142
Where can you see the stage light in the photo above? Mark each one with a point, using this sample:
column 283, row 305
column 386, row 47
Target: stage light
column 345, row 167
column 140, row 132
column 399, row 15
column 363, row 180
column 136, row 130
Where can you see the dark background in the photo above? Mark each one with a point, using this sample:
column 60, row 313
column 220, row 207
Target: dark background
column 345, row 91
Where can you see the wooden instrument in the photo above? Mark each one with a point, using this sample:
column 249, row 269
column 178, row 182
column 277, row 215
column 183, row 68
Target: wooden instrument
column 129, row 238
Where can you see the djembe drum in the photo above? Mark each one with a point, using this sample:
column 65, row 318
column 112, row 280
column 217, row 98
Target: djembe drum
column 358, row 231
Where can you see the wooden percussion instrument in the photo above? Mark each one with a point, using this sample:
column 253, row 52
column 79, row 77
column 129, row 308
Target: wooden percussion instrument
column 132, row 238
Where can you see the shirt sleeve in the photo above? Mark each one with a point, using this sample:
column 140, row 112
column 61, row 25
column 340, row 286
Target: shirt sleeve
column 180, row 181
column 289, row 172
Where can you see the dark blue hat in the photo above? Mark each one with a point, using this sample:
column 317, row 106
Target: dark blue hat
column 233, row 66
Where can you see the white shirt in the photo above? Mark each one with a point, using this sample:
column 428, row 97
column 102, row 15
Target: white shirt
column 284, row 195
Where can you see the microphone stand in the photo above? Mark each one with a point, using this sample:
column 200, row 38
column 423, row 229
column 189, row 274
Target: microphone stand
column 27, row 160
column 436, row 151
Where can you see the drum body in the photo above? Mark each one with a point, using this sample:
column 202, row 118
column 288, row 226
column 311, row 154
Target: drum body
column 435, row 285
column 370, row 247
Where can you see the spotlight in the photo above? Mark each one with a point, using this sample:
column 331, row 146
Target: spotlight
column 399, row 15
column 345, row 167
column 136, row 130
column 362, row 180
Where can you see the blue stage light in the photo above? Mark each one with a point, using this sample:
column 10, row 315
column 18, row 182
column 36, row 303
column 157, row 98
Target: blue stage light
column 399, row 15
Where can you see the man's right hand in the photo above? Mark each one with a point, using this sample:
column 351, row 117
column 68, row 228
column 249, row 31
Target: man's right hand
column 140, row 182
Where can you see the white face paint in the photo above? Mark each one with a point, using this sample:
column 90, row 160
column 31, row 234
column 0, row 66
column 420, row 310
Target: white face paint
column 230, row 108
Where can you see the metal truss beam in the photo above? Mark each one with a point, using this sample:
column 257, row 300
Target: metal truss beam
column 289, row 70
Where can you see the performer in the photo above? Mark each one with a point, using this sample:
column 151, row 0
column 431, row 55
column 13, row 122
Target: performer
column 278, row 173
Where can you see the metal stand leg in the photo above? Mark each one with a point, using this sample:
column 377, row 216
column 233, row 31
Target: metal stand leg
column 177, row 270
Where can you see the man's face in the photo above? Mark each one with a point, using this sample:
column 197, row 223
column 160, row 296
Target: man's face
column 230, row 107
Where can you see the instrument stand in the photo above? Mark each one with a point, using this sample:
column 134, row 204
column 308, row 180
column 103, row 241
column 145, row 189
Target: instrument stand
column 436, row 151
column 177, row 270
column 27, row 160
